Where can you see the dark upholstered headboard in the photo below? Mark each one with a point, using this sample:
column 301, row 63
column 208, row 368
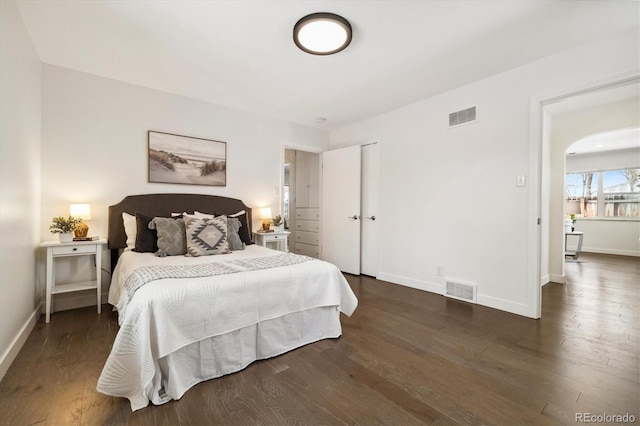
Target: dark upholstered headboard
column 164, row 205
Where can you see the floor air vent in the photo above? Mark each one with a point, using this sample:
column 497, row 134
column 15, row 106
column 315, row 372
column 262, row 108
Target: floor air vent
column 462, row 291
column 463, row 116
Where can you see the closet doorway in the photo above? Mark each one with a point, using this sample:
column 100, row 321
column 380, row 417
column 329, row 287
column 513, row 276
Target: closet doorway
column 301, row 201
column 351, row 208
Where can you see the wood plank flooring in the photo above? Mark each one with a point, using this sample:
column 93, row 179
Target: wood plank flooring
column 406, row 357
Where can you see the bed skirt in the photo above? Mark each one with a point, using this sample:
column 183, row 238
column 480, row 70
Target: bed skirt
column 228, row 353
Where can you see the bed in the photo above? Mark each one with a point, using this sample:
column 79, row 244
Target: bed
column 187, row 319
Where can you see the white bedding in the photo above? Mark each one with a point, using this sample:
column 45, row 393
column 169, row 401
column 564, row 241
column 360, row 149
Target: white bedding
column 166, row 317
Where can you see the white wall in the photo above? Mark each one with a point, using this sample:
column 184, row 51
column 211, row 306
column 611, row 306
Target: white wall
column 94, row 148
column 449, row 196
column 20, row 97
column 567, row 129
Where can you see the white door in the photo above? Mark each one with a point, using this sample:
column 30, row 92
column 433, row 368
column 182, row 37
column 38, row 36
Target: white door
column 313, row 167
column 341, row 208
column 369, row 252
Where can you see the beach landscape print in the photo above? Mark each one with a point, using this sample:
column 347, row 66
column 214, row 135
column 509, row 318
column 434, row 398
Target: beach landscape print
column 186, row 160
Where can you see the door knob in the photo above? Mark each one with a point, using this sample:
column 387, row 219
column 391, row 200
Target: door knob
column 372, row 218
column 354, row 217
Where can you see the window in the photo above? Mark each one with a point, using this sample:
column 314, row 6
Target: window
column 581, row 193
column 604, row 193
column 621, row 191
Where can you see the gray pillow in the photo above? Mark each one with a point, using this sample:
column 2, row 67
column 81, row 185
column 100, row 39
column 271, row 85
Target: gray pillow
column 233, row 225
column 206, row 236
column 171, row 236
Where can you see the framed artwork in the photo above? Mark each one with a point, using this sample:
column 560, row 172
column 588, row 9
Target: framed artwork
column 186, row 160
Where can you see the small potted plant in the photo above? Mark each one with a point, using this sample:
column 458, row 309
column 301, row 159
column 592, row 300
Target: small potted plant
column 573, row 222
column 64, row 227
column 277, row 222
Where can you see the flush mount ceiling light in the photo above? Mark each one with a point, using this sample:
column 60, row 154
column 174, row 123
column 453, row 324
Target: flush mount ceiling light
column 322, row 33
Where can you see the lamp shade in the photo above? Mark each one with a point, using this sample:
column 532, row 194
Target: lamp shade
column 80, row 211
column 265, row 213
column 572, row 207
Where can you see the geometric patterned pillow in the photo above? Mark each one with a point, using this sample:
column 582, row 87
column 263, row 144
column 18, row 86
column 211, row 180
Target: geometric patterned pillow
column 206, row 236
column 171, row 236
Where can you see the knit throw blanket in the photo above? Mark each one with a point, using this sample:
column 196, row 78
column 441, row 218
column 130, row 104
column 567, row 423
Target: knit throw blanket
column 145, row 274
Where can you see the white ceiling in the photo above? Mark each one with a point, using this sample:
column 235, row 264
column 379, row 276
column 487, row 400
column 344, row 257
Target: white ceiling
column 607, row 141
column 240, row 54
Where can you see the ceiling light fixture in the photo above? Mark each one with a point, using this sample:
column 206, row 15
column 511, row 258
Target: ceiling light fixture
column 322, row 33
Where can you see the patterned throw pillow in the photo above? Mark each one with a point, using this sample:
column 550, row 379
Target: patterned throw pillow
column 235, row 243
column 243, row 232
column 206, row 236
column 171, row 236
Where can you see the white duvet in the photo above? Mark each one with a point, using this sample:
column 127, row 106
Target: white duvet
column 166, row 315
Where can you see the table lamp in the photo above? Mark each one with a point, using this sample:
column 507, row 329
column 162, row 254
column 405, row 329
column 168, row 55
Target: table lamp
column 265, row 215
column 571, row 209
column 81, row 211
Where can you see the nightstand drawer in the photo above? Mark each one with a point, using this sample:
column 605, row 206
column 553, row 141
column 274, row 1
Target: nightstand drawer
column 71, row 250
column 274, row 237
column 278, row 238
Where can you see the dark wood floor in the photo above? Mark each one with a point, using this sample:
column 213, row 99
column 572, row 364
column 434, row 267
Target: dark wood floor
column 406, row 357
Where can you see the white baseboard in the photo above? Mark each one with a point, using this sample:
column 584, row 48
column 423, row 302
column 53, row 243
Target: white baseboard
column 491, row 302
column 18, row 341
column 411, row 282
column 633, row 253
column 544, row 280
column 504, row 305
column 555, row 278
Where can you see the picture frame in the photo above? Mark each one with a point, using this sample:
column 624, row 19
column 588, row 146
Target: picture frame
column 186, row 160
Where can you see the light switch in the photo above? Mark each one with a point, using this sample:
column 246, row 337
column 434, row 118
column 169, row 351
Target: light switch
column 521, row 180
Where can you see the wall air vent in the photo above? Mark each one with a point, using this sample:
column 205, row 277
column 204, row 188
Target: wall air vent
column 461, row 291
column 463, row 116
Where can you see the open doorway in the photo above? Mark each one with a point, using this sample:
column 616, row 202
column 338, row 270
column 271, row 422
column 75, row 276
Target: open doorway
column 602, row 192
column 576, row 118
column 301, row 201
column 587, row 132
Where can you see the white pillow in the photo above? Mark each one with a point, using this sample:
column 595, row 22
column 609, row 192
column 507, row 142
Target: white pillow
column 240, row 213
column 199, row 215
column 130, row 229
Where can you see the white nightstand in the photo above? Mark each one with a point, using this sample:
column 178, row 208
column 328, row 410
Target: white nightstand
column 57, row 249
column 279, row 238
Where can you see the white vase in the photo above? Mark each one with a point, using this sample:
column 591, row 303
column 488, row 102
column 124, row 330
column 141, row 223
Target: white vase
column 66, row 237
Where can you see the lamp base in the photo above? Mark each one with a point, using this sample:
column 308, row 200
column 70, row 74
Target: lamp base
column 266, row 224
column 81, row 230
